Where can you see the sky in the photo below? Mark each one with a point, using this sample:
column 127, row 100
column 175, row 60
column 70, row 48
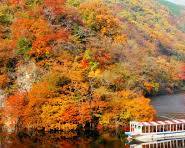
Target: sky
column 182, row 2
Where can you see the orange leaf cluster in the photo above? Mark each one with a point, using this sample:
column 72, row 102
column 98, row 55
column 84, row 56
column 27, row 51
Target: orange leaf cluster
column 57, row 6
column 182, row 74
column 29, row 28
column 39, row 33
column 43, row 44
column 3, row 81
column 102, row 56
column 15, row 2
column 15, row 106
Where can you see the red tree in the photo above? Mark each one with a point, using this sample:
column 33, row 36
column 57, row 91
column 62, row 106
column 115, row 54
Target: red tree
column 182, row 74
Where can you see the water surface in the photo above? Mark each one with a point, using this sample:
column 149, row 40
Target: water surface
column 170, row 106
column 56, row 140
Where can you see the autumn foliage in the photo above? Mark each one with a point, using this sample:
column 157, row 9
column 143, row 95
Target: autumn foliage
column 56, row 6
column 182, row 73
column 14, row 110
column 39, row 34
column 93, row 62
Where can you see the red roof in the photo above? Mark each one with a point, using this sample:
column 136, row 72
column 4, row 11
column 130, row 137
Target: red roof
column 154, row 123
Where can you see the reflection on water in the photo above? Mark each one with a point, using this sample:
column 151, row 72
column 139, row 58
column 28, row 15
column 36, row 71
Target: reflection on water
column 170, row 106
column 57, row 140
column 173, row 143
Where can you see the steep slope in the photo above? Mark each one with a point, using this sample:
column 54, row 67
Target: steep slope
column 178, row 12
column 152, row 38
column 175, row 9
column 86, row 62
column 153, row 20
column 180, row 21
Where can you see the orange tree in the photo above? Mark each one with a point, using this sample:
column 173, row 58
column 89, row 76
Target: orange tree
column 127, row 106
column 60, row 101
column 182, row 73
column 97, row 16
column 13, row 113
column 35, row 36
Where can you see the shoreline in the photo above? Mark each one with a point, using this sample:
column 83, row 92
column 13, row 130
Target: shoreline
column 165, row 93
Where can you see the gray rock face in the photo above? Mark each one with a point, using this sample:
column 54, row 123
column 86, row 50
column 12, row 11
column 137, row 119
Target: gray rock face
column 26, row 76
column 2, row 98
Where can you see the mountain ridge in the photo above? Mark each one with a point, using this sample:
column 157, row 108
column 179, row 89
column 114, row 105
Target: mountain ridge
column 175, row 9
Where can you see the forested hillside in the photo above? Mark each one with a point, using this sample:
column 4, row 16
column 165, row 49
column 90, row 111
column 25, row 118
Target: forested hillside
column 177, row 12
column 180, row 21
column 175, row 9
column 71, row 65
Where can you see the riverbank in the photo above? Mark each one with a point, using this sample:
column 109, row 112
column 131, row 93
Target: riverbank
column 167, row 92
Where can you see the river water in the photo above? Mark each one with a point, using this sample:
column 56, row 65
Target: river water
column 168, row 107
